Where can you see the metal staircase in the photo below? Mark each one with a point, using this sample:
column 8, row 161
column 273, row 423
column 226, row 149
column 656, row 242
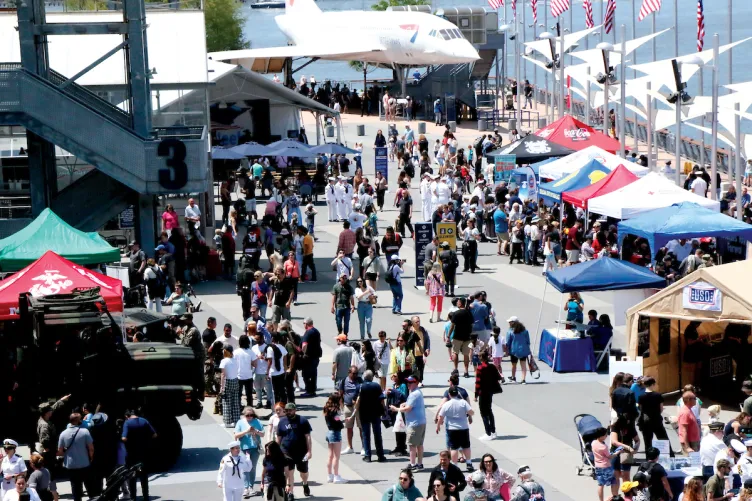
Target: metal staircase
column 100, row 133
column 108, row 196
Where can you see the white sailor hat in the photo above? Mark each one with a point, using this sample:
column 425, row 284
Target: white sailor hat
column 9, row 442
column 331, row 178
column 234, row 443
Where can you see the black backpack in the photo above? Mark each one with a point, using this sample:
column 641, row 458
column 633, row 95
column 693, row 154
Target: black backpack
column 389, row 278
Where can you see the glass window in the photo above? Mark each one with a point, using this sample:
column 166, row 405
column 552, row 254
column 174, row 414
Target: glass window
column 445, row 35
column 452, row 34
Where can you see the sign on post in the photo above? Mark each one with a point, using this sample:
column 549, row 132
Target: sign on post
column 422, row 238
column 127, row 218
column 503, row 167
column 447, row 232
column 382, row 162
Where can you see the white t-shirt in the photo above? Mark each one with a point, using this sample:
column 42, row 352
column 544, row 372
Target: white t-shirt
column 681, row 251
column 192, row 211
column 699, row 186
column 363, row 295
column 710, row 445
column 344, row 266
column 231, row 366
column 357, row 219
column 229, row 341
column 261, row 364
column 385, row 357
column 497, row 348
column 455, row 412
column 270, row 360
column 245, row 358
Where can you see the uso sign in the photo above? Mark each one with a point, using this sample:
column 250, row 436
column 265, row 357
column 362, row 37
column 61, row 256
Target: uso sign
column 702, row 296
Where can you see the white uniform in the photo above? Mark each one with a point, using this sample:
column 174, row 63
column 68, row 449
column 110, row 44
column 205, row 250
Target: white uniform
column 11, row 465
column 230, row 476
column 339, row 190
column 434, row 199
column 425, row 199
column 347, row 199
column 331, row 201
column 444, row 193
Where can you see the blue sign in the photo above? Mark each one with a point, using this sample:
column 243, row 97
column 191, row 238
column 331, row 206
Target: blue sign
column 422, row 237
column 451, row 107
column 127, row 218
column 703, row 296
column 382, row 162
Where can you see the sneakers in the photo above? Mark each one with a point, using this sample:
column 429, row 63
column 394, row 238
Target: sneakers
column 246, row 493
column 466, row 375
column 306, row 490
column 512, row 379
column 523, row 382
column 470, row 468
column 362, row 452
column 492, row 436
column 347, row 451
column 382, row 459
column 329, row 478
column 337, row 480
column 366, row 459
column 416, row 467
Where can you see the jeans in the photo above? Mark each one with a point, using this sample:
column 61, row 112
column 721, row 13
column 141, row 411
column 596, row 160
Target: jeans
column 365, row 317
column 342, row 317
column 534, row 244
column 259, row 382
column 310, row 374
column 396, row 297
column 248, row 385
column 249, row 478
column 308, row 263
column 290, row 386
column 83, row 476
column 278, row 386
column 366, row 427
column 526, row 250
column 486, row 412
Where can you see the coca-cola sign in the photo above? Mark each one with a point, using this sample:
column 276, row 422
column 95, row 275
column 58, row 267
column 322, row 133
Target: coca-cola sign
column 577, row 134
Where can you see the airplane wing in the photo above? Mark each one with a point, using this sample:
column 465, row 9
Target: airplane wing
column 352, row 50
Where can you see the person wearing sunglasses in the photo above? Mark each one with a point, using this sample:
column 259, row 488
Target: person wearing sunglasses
column 404, row 489
column 452, row 479
column 440, row 492
column 248, row 431
column 498, row 482
column 365, row 297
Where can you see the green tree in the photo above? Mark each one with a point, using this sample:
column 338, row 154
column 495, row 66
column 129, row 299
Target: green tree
column 364, row 68
column 224, row 25
column 384, row 4
column 85, row 5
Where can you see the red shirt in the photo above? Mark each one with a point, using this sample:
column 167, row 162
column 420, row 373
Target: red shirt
column 689, row 431
column 170, row 220
column 291, row 269
column 346, row 241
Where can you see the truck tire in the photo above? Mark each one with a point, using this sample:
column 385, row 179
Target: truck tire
column 166, row 448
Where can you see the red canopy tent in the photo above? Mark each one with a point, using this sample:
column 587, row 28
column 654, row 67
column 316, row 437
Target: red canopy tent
column 618, row 178
column 52, row 274
column 575, row 135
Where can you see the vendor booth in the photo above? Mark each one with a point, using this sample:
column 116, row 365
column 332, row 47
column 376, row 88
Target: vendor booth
column 48, row 232
column 571, row 350
column 618, row 178
column 571, row 133
column 531, row 149
column 52, row 274
column 569, row 164
column 686, row 220
column 696, row 331
column 646, row 194
column 593, row 172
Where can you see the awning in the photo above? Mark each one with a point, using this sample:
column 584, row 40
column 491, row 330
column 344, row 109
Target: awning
column 571, row 133
column 590, row 174
column 530, row 149
column 604, row 274
column 618, row 178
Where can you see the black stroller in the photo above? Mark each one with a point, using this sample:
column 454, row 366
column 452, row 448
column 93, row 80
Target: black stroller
column 116, row 480
column 587, row 428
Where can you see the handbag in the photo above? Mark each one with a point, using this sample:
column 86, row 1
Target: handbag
column 372, row 299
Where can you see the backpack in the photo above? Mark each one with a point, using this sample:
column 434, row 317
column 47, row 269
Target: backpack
column 389, row 278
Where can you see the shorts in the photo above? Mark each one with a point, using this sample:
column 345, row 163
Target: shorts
column 250, row 205
column 297, row 463
column 462, row 347
column 416, row 434
column 573, row 256
column 483, row 335
column 383, row 372
column 280, row 312
column 516, row 359
column 617, row 465
column 349, row 412
column 333, row 437
column 371, row 276
column 605, row 476
column 476, row 359
column 497, row 361
column 458, row 439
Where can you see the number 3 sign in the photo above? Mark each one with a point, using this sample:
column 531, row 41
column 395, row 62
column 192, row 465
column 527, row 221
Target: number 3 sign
column 175, row 176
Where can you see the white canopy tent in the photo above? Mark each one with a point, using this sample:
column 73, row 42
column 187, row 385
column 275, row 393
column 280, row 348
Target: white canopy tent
column 574, row 162
column 648, row 193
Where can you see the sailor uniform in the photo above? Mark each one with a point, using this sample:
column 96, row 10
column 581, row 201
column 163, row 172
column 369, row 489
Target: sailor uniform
column 339, row 191
column 347, row 196
column 12, row 465
column 331, row 201
column 230, row 476
column 425, row 199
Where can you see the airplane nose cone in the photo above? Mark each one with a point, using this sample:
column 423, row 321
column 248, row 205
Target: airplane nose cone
column 467, row 52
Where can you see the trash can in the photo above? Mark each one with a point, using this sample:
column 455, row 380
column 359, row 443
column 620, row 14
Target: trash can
column 330, row 131
column 452, row 126
column 361, row 130
column 421, row 127
column 482, row 125
column 512, row 123
column 542, row 122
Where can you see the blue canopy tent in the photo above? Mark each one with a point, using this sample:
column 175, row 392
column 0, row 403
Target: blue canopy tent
column 684, row 220
column 587, row 175
column 603, row 274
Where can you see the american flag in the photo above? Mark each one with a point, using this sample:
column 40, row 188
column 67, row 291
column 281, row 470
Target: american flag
column 588, row 6
column 496, row 4
column 648, row 7
column 700, row 26
column 514, row 10
column 534, row 4
column 559, row 7
column 610, row 13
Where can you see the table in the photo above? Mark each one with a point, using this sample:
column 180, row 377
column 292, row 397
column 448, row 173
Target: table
column 574, row 354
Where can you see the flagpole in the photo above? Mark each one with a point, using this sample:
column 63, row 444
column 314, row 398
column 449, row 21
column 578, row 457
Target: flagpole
column 549, row 95
column 535, row 67
column 634, row 75
column 730, row 56
column 524, row 39
column 600, row 16
column 613, row 30
column 714, row 147
column 623, row 104
column 738, row 164
column 652, row 102
column 650, row 129
column 562, row 103
column 702, row 118
column 676, row 28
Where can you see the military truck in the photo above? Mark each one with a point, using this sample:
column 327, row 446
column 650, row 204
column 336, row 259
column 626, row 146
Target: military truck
column 71, row 344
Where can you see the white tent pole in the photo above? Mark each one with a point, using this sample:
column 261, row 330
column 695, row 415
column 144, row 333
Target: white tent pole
column 558, row 328
column 540, row 313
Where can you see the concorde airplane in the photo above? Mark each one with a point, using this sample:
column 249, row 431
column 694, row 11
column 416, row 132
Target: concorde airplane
column 396, row 39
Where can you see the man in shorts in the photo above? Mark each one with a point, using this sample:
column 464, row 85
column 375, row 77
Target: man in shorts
column 294, row 437
column 573, row 244
column 415, row 421
column 459, row 333
column 455, row 412
column 349, row 390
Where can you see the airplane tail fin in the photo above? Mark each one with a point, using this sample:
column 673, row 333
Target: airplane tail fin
column 299, row 7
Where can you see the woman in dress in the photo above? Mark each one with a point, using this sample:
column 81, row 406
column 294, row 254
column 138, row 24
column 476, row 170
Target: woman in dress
column 434, row 286
column 229, row 388
column 366, row 298
column 334, row 425
column 498, row 482
column 518, row 346
column 357, row 179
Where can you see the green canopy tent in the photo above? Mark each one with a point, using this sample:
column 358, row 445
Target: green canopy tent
column 49, row 232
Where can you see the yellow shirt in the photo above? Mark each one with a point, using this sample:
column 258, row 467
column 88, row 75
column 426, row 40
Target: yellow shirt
column 307, row 245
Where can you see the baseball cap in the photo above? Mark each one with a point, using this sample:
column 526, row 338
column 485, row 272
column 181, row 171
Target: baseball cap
column 341, row 337
column 478, row 477
column 159, row 248
column 395, row 258
column 291, row 407
column 513, row 319
column 411, row 379
column 628, row 486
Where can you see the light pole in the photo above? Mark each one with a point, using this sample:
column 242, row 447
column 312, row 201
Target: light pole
column 563, row 107
column 679, row 98
column 605, row 79
column 504, row 28
column 714, row 112
column 547, row 35
column 623, row 88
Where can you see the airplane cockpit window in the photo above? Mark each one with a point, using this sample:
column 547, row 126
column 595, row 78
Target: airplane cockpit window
column 445, row 35
column 459, row 34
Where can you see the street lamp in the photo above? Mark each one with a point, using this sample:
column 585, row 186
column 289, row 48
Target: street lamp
column 606, row 78
column 504, row 28
column 679, row 99
column 557, row 62
column 547, row 35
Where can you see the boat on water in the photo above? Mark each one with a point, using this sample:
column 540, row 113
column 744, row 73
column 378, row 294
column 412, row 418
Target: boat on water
column 268, row 4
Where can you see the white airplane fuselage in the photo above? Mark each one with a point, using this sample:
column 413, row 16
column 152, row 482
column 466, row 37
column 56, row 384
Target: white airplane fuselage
column 409, row 38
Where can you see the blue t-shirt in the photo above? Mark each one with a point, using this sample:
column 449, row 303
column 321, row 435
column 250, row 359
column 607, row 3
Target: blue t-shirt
column 574, row 313
column 462, row 391
column 416, row 416
column 638, row 391
column 518, row 344
column 480, row 314
column 350, row 389
column 248, row 441
column 293, row 434
column 501, row 225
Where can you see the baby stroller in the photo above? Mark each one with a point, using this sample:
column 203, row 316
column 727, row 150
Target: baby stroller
column 587, row 428
column 239, row 207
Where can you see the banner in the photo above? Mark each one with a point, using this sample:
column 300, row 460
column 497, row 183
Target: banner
column 503, row 167
column 702, row 296
column 382, row 162
column 529, row 187
column 422, row 237
column 447, row 232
